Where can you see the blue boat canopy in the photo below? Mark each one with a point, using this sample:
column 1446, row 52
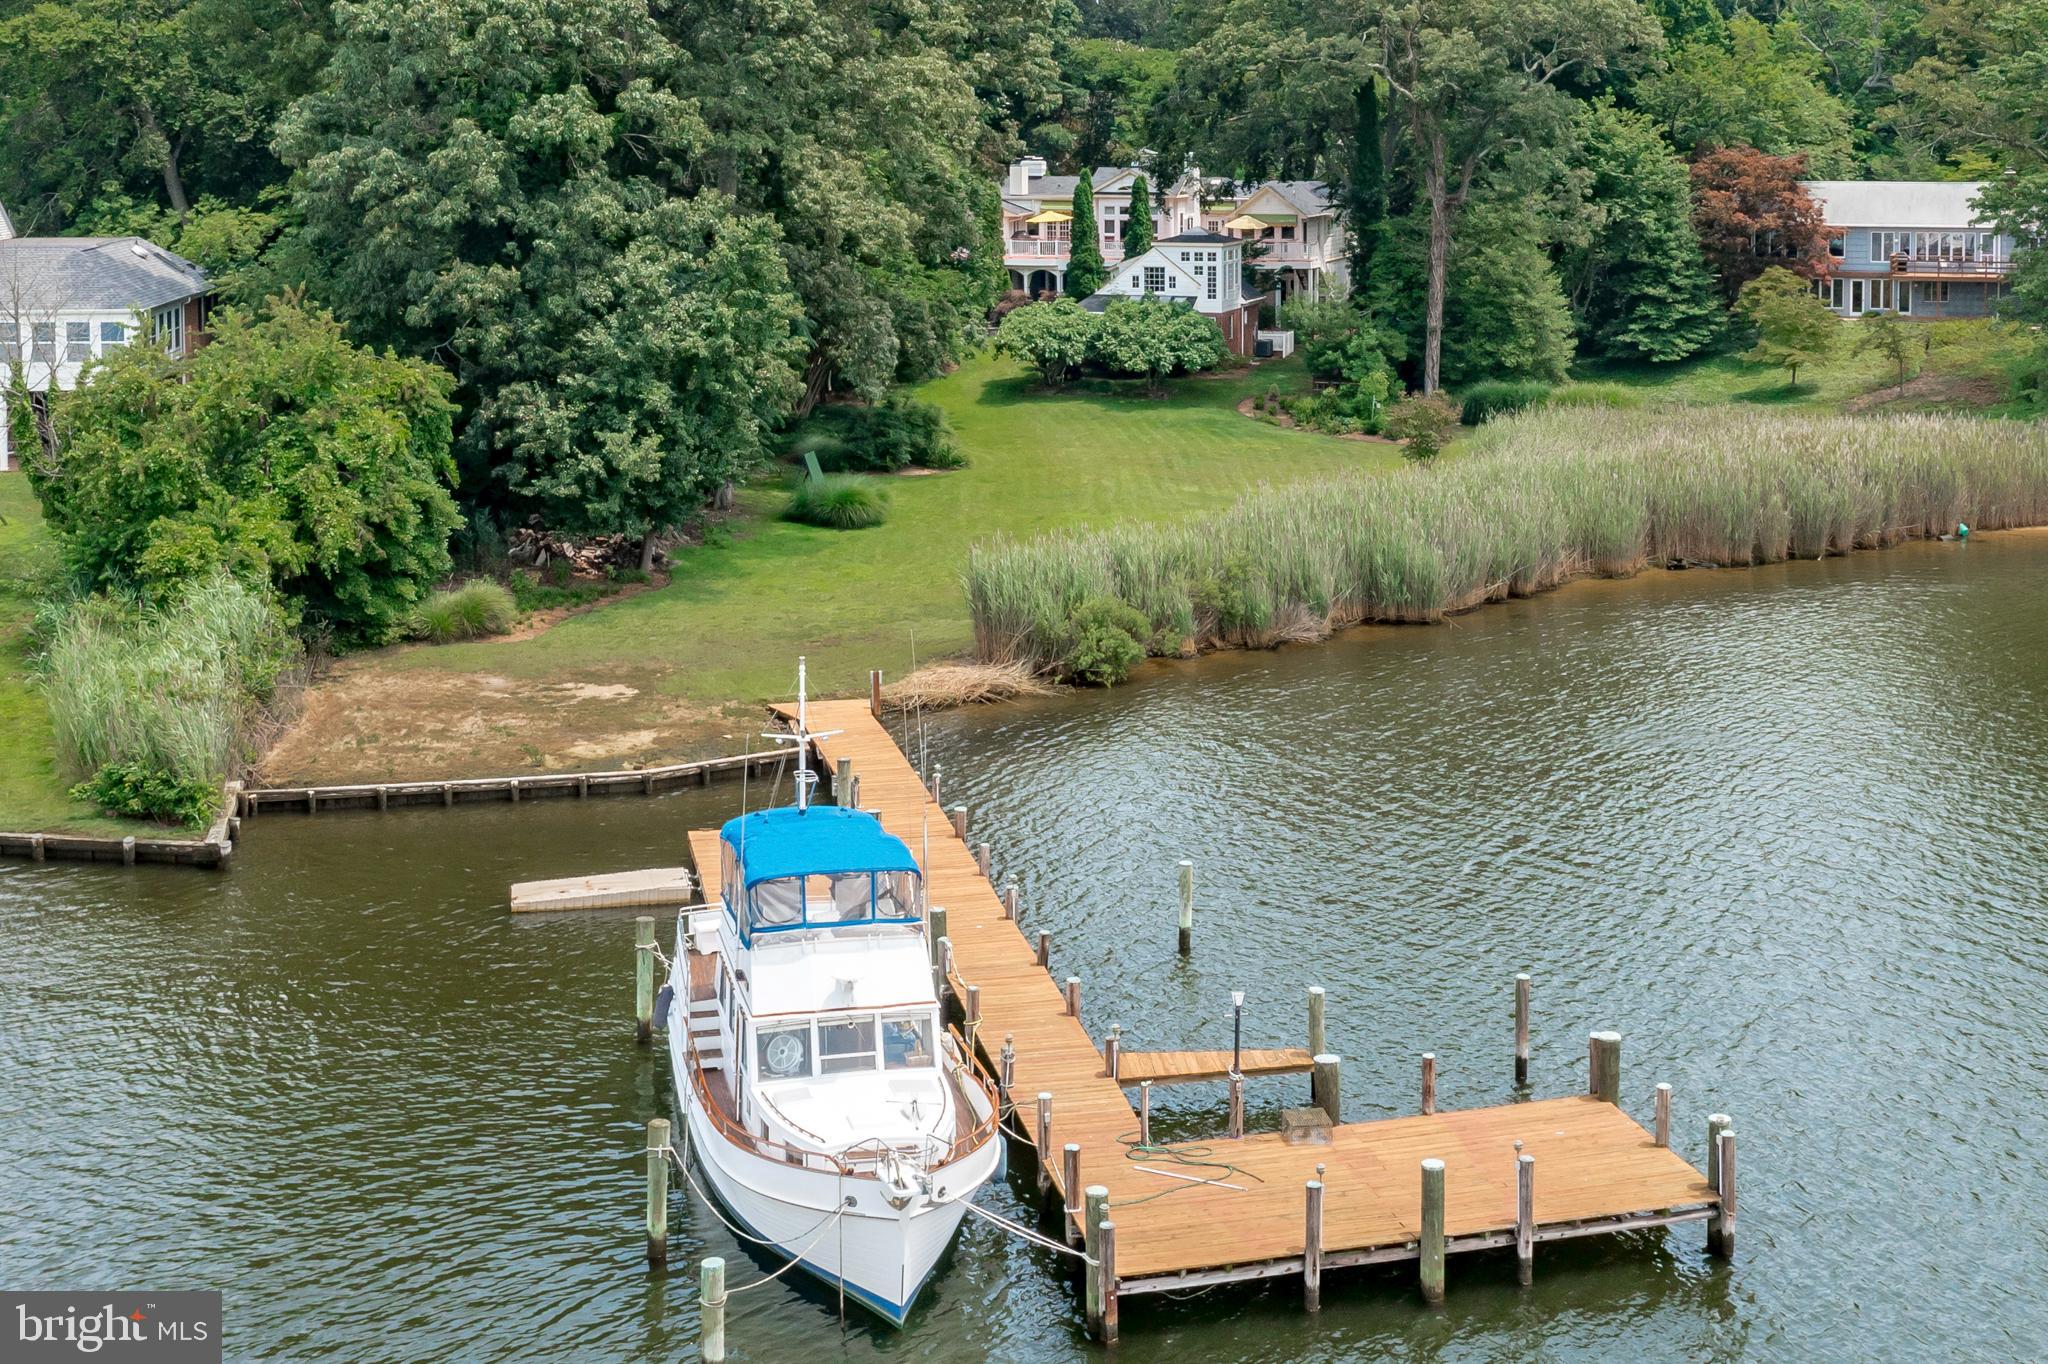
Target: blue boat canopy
column 825, row 840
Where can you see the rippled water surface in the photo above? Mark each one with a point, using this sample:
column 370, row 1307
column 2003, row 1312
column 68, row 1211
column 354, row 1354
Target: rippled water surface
column 1786, row 829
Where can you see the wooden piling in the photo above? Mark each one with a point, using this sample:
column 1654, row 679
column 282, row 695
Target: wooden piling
column 1324, row 1086
column 1721, row 1227
column 1006, row 1071
column 38, row 850
column 512, row 787
column 842, row 782
column 711, row 1309
column 1312, row 1249
column 960, row 822
column 1431, row 1243
column 1604, row 1066
column 972, row 1015
column 875, row 692
column 582, row 787
column 1044, row 948
column 128, row 851
column 984, row 858
column 935, row 929
column 1187, row 907
column 1428, row 1083
column 1094, row 1211
column 657, row 1191
column 643, row 978
column 1525, row 1218
column 1236, row 1105
column 1717, row 1125
column 1145, row 1113
column 383, row 798
column 946, row 971
column 1316, row 1043
column 1522, row 1028
column 1010, row 902
column 1112, row 1047
column 1070, row 1178
column 447, row 795
column 1073, row 996
column 1044, row 1142
column 1105, row 1252
column 1663, row 1137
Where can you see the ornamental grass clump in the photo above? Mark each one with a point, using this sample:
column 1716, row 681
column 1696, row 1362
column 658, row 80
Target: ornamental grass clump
column 837, row 502
column 1538, row 498
column 476, row 609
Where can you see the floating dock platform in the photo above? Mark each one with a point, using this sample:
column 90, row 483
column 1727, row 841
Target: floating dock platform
column 1357, row 1193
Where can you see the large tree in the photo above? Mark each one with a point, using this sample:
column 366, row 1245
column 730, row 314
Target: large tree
column 1638, row 284
column 1085, row 270
column 281, row 453
column 1473, row 79
column 1138, row 227
column 1756, row 85
column 1365, row 187
column 1751, row 212
column 508, row 186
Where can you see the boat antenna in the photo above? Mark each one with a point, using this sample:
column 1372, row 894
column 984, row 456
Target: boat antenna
column 802, row 738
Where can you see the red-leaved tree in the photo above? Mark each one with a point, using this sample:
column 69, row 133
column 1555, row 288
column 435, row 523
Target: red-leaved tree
column 1751, row 213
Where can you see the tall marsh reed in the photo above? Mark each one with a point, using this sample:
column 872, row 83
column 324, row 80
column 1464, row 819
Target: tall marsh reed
column 1535, row 500
column 170, row 688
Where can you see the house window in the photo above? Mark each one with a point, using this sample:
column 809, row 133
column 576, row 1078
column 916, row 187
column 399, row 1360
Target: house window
column 1932, row 291
column 1287, row 233
column 1835, row 247
column 43, row 342
column 1155, row 279
column 170, row 329
column 77, row 342
column 1209, row 289
column 113, row 335
column 1835, row 298
column 1134, row 281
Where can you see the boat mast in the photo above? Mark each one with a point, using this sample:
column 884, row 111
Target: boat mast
column 804, row 775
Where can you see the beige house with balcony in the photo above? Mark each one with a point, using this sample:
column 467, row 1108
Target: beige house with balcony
column 1294, row 243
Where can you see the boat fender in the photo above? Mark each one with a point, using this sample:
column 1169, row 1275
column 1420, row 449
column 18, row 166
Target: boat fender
column 662, row 1000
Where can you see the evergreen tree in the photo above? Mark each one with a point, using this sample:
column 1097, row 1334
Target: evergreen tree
column 1639, row 286
column 1365, row 190
column 1138, row 227
column 1085, row 270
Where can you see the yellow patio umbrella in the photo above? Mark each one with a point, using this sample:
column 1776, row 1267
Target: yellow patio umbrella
column 1244, row 222
column 1050, row 215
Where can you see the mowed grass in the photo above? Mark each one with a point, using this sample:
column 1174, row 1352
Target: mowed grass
column 1964, row 353
column 730, row 625
column 33, row 797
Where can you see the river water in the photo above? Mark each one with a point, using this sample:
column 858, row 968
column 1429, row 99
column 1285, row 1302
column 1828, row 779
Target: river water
column 1786, row 829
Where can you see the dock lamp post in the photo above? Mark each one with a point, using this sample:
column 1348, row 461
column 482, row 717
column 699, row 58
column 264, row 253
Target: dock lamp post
column 1236, row 1032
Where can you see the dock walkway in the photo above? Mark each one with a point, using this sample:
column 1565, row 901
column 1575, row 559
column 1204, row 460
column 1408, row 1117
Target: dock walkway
column 1596, row 1170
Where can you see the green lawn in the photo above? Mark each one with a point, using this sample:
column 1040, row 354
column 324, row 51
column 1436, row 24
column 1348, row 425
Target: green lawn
column 1960, row 370
column 32, row 796
column 730, row 625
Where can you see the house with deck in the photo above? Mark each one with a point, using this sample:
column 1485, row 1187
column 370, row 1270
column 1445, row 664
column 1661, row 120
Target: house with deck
column 1204, row 271
column 1289, row 231
column 66, row 300
column 1918, row 248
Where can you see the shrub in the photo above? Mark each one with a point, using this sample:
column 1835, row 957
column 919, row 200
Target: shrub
column 140, row 791
column 1054, row 338
column 1490, row 398
column 891, row 435
column 1155, row 337
column 167, row 691
column 478, row 608
column 1423, row 423
column 838, row 502
column 1594, row 395
column 1106, row 639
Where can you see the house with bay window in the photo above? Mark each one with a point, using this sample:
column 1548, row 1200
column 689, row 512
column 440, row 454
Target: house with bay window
column 66, row 300
column 1288, row 230
column 1204, row 270
column 1915, row 247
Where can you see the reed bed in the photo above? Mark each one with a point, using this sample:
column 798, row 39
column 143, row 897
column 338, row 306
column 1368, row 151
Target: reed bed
column 1537, row 499
column 172, row 689
column 944, row 686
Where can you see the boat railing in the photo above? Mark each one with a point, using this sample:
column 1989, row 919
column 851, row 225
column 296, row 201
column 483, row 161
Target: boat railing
column 977, row 1075
column 736, row 1132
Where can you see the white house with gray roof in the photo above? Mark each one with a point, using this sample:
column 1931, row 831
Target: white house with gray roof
column 66, row 300
column 1294, row 240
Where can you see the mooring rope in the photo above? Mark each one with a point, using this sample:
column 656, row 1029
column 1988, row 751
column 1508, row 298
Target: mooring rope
column 1036, row 1238
column 1191, row 1156
column 712, row 1204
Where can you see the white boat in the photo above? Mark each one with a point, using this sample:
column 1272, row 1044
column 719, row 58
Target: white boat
column 830, row 1109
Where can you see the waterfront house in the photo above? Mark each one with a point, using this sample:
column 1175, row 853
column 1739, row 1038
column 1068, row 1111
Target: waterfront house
column 66, row 300
column 1916, row 247
column 1289, row 230
column 1204, row 270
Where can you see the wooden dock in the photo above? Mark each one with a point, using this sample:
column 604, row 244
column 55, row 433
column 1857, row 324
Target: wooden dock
column 1594, row 1169
column 385, row 795
column 649, row 888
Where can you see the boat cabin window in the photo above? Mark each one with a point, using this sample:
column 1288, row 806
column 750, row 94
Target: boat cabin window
column 846, row 1045
column 829, row 901
column 783, row 1050
column 907, row 1041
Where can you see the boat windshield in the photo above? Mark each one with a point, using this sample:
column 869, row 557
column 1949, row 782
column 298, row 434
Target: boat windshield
column 857, row 897
column 845, row 1044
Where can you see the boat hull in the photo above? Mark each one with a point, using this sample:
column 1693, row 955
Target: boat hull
column 881, row 1254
